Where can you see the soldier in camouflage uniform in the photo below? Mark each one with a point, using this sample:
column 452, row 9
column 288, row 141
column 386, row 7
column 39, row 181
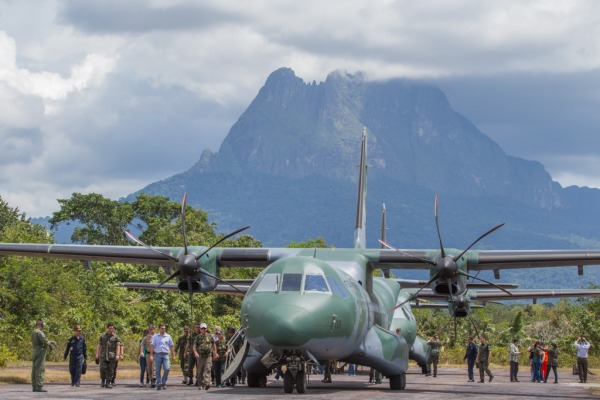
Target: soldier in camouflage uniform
column 483, row 359
column 180, row 347
column 40, row 344
column 204, row 351
column 106, row 354
column 219, row 362
column 434, row 355
column 189, row 355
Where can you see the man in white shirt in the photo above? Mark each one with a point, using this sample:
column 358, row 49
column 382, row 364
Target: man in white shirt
column 160, row 349
column 582, row 346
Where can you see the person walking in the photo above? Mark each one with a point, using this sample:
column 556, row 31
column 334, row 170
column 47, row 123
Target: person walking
column 582, row 346
column 180, row 347
column 553, row 353
column 106, row 355
column 38, row 356
column 434, row 355
column 141, row 359
column 219, row 361
column 470, row 357
column 204, row 351
column 146, row 343
column 483, row 359
column 189, row 355
column 513, row 356
column 77, row 348
column 160, row 351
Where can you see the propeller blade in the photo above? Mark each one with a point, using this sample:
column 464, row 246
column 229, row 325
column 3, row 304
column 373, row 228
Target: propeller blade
column 137, row 300
column 478, row 239
column 389, row 246
column 414, row 296
column 445, row 326
column 222, row 239
column 191, row 294
column 138, row 241
column 455, row 329
column 437, row 225
column 474, row 325
column 183, row 204
column 483, row 280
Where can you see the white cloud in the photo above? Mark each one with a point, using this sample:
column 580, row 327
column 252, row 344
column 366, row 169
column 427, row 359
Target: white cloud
column 126, row 92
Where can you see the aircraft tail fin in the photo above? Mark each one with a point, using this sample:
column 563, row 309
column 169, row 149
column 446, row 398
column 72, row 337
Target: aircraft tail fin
column 360, row 236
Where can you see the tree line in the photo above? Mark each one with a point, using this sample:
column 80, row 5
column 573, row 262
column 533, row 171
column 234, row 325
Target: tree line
column 65, row 293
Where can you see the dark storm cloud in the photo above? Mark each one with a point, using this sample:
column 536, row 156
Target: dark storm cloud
column 135, row 16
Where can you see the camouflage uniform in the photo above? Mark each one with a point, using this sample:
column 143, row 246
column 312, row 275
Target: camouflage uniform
column 483, row 358
column 219, row 363
column 191, row 359
column 434, row 356
column 109, row 347
column 180, row 350
column 38, row 356
column 204, row 345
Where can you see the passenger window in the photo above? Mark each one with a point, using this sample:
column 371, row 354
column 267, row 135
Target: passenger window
column 291, row 282
column 315, row 283
column 269, row 283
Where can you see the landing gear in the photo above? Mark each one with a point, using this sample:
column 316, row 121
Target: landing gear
column 257, row 380
column 398, row 382
column 300, row 382
column 288, row 382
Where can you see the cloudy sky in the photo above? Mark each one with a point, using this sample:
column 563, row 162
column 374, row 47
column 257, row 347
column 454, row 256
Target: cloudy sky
column 107, row 96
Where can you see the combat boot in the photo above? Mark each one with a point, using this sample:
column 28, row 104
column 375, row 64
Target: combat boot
column 103, row 384
column 109, row 385
column 153, row 383
column 185, row 380
column 190, row 382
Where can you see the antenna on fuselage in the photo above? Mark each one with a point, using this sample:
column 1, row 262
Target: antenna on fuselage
column 360, row 236
column 384, row 271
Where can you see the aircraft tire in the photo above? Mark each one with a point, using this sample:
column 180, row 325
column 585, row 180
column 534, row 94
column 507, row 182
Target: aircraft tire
column 398, row 382
column 300, row 382
column 288, row 382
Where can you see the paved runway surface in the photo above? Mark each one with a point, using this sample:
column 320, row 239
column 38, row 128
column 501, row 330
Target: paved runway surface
column 450, row 384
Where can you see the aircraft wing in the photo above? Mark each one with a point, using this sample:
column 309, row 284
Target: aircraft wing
column 239, row 290
column 230, row 257
column 508, row 259
column 518, row 294
column 415, row 284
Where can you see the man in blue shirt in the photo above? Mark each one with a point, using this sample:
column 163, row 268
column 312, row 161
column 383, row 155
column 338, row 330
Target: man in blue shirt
column 160, row 349
column 78, row 349
column 470, row 356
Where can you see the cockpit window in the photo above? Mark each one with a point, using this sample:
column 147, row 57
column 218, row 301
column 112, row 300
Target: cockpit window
column 269, row 283
column 337, row 287
column 315, row 283
column 291, row 282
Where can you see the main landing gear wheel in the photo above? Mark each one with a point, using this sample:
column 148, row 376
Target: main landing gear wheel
column 288, row 382
column 300, row 382
column 398, row 382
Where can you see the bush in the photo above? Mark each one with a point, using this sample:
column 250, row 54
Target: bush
column 6, row 355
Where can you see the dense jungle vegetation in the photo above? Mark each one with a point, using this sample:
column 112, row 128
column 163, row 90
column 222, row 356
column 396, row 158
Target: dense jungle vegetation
column 65, row 293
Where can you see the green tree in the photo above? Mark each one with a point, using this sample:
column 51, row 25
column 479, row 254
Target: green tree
column 103, row 219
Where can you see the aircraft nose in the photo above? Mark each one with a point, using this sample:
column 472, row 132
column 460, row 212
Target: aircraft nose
column 286, row 325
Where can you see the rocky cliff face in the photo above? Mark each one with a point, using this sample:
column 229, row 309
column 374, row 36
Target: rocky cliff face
column 295, row 129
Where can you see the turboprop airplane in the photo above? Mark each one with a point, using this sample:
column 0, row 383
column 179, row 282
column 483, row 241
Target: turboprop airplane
column 317, row 304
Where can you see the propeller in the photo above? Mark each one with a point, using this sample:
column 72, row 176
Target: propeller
column 446, row 267
column 188, row 264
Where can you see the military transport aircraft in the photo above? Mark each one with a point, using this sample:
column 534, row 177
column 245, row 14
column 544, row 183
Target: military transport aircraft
column 321, row 304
